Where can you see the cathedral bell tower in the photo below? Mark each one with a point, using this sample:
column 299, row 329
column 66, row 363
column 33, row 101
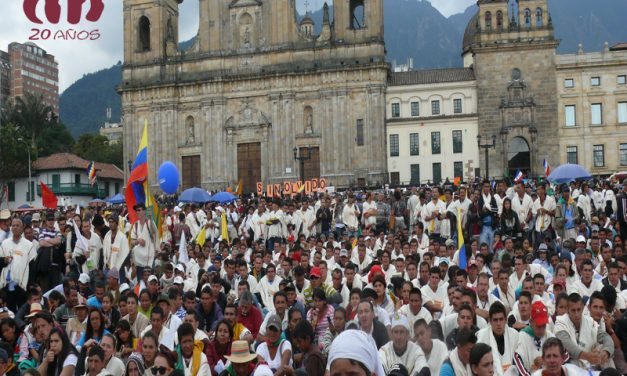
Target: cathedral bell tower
column 358, row 21
column 150, row 30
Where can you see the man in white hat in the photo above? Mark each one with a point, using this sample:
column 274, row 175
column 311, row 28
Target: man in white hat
column 17, row 253
column 401, row 350
column 5, row 215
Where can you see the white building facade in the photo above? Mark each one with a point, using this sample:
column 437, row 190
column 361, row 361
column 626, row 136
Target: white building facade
column 432, row 126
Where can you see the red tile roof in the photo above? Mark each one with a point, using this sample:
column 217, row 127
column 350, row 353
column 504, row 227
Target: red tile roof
column 64, row 161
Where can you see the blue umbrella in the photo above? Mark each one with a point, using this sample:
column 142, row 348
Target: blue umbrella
column 569, row 172
column 197, row 195
column 116, row 199
column 223, row 197
column 25, row 206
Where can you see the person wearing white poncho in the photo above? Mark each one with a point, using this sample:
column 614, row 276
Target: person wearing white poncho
column 401, row 351
column 502, row 339
column 354, row 346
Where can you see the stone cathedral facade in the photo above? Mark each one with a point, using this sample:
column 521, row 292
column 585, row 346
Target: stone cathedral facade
column 256, row 86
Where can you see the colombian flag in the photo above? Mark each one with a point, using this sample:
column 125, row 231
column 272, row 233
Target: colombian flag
column 135, row 187
column 463, row 262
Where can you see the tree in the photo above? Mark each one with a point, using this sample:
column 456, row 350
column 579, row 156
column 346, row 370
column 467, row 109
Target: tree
column 55, row 138
column 31, row 114
column 95, row 147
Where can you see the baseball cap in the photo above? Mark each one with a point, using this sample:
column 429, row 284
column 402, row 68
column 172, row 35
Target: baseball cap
column 180, row 268
column 539, row 313
column 274, row 322
column 398, row 370
column 444, row 260
column 559, row 282
column 595, row 228
column 581, row 239
column 178, row 280
column 36, row 217
column 472, row 262
column 449, row 243
column 343, row 252
column 124, row 287
column 153, row 278
column 83, row 278
column 163, row 298
column 543, row 248
column 5, row 214
column 315, row 272
column 400, row 320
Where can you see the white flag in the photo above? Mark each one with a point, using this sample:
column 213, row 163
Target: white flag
column 78, row 209
column 81, row 242
column 183, row 256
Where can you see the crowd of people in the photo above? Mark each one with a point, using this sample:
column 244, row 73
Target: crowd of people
column 479, row 279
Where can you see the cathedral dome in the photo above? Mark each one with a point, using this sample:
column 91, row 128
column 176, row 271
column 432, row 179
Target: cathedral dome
column 470, row 33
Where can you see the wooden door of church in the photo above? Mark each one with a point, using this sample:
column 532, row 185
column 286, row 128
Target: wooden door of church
column 191, row 171
column 249, row 165
column 312, row 165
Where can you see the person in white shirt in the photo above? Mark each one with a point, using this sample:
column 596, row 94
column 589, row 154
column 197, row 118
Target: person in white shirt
column 544, row 210
column 586, row 285
column 17, row 253
column 503, row 339
column 307, row 220
column 113, row 364
column 91, row 255
column 414, row 311
column 143, row 239
column 522, row 206
column 432, row 211
column 369, row 219
column 349, row 216
column 435, row 350
column 195, row 220
column 401, row 350
column 115, row 246
column 414, row 206
column 434, row 294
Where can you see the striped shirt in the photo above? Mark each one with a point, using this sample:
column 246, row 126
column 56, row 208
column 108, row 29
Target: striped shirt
column 46, row 233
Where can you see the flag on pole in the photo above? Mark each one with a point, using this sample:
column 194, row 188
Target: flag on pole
column 547, row 168
column 456, row 181
column 135, row 186
column 139, row 287
column 48, row 198
column 225, row 229
column 91, row 173
column 519, row 176
column 152, row 208
column 202, row 237
column 240, row 188
column 463, row 262
column 78, row 210
column 183, row 256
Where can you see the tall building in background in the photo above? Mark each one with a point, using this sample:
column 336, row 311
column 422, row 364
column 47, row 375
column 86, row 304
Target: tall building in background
column 34, row 71
column 5, row 77
column 511, row 47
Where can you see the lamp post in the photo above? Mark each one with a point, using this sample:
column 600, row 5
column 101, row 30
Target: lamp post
column 302, row 158
column 30, row 177
column 486, row 147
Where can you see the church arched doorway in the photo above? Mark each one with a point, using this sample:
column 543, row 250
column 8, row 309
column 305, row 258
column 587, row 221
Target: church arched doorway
column 518, row 156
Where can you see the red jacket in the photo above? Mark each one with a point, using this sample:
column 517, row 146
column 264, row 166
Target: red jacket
column 252, row 321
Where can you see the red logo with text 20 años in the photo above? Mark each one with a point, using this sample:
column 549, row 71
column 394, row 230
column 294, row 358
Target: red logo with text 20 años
column 52, row 11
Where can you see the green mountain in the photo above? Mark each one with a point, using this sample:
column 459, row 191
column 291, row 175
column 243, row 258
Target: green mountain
column 413, row 28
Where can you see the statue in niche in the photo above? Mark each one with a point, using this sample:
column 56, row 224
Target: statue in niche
column 308, row 120
column 170, row 30
column 247, row 37
column 191, row 132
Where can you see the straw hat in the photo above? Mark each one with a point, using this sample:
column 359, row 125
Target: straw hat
column 240, row 353
column 35, row 308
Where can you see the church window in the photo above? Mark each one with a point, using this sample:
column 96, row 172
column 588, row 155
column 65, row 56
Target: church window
column 569, row 83
column 570, row 115
column 415, row 108
column 623, row 154
column 621, row 80
column 571, row 154
column 527, row 18
column 539, row 17
column 595, row 81
column 357, row 14
column 435, row 143
column 488, row 20
column 457, row 106
column 499, row 20
column 435, row 107
column 144, row 34
column 622, row 112
column 394, row 152
column 396, row 110
column 598, row 155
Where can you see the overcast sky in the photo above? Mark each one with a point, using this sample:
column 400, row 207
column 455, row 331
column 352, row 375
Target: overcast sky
column 77, row 58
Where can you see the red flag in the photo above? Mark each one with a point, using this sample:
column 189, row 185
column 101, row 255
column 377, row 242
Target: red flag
column 48, row 198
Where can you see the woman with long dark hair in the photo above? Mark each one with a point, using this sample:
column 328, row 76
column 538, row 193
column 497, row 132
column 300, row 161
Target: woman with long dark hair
column 12, row 334
column 217, row 350
column 110, row 312
column 61, row 357
column 126, row 342
column 94, row 330
column 510, row 223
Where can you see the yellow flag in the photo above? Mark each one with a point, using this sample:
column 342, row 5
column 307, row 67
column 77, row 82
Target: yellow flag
column 153, row 210
column 225, row 229
column 240, row 188
column 202, row 237
column 460, row 232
